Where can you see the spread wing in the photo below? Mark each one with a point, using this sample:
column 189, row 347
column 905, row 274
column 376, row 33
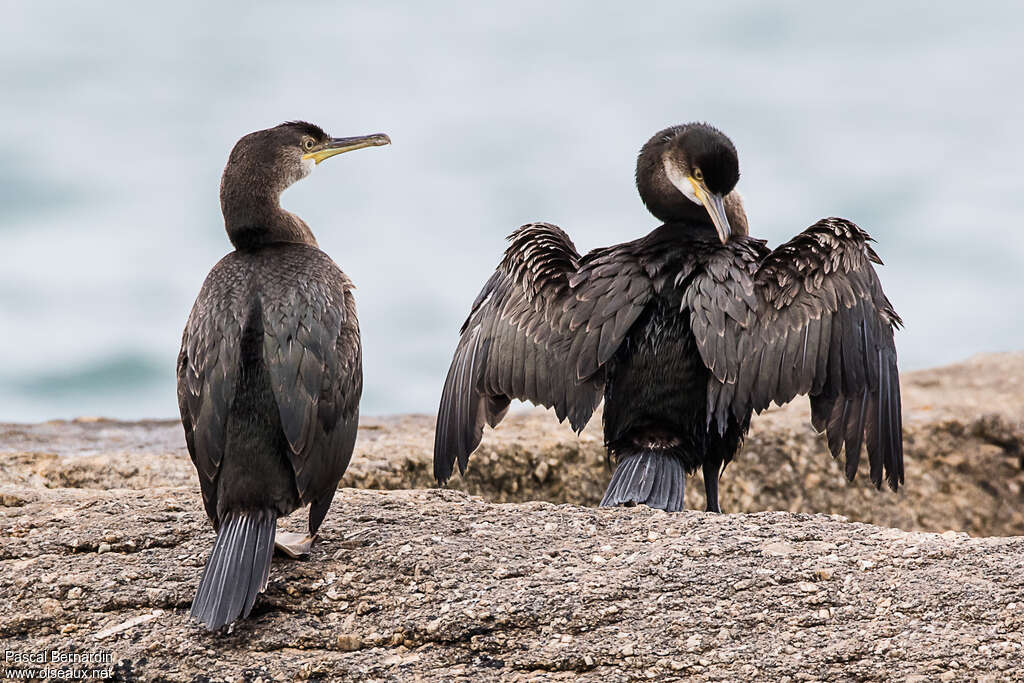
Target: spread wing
column 541, row 330
column 811, row 318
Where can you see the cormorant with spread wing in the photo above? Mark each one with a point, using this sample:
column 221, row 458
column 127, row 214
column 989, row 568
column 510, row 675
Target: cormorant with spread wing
column 683, row 333
column 270, row 370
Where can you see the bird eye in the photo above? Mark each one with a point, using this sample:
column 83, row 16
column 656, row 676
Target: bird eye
column 698, row 175
column 308, row 144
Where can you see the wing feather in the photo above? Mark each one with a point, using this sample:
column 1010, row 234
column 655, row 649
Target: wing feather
column 818, row 323
column 313, row 354
column 541, row 330
column 311, row 349
column 208, row 373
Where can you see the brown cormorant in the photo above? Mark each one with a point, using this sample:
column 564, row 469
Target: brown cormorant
column 270, row 370
column 683, row 333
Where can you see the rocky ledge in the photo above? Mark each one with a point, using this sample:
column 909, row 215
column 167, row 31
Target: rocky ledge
column 102, row 540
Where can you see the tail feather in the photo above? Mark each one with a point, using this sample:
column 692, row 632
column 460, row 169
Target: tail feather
column 651, row 478
column 238, row 569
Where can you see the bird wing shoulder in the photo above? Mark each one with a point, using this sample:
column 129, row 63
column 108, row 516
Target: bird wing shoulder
column 610, row 291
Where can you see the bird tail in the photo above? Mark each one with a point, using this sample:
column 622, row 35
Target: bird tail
column 650, row 477
column 238, row 568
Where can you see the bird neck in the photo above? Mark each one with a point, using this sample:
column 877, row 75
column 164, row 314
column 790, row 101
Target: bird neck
column 257, row 221
column 680, row 210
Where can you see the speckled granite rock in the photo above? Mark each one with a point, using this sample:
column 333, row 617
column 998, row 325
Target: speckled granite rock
column 102, row 539
column 435, row 585
column 964, row 441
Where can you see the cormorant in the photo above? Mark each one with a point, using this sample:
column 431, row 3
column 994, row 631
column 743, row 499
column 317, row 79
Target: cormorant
column 683, row 333
column 270, row 370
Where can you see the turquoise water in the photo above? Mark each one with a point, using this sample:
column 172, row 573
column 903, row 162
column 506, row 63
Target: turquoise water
column 116, row 123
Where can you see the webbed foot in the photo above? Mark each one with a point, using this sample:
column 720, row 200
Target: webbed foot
column 294, row 545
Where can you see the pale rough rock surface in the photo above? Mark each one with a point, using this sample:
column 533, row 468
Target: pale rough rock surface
column 102, row 539
column 964, row 442
column 435, row 585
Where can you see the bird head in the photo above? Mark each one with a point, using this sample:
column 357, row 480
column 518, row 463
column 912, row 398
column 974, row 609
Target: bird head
column 688, row 167
column 264, row 164
column 277, row 157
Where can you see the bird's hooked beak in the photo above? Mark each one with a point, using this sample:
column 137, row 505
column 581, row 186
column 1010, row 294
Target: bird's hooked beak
column 340, row 145
column 715, row 205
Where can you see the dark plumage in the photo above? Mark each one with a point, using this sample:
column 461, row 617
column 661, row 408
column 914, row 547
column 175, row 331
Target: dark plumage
column 270, row 369
column 683, row 333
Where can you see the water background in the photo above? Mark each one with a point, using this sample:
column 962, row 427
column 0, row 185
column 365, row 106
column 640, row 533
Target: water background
column 116, row 120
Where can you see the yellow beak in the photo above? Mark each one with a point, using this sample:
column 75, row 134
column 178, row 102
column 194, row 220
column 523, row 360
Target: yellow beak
column 340, row 145
column 715, row 205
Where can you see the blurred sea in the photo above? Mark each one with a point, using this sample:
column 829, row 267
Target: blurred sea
column 116, row 120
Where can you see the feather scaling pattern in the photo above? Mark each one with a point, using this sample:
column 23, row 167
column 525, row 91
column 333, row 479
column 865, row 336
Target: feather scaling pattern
column 311, row 352
column 563, row 331
column 810, row 319
column 540, row 330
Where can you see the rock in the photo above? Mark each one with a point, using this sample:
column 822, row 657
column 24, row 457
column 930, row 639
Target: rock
column 439, row 585
column 778, row 549
column 349, row 642
column 963, row 441
column 554, row 610
column 13, row 499
column 49, row 607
